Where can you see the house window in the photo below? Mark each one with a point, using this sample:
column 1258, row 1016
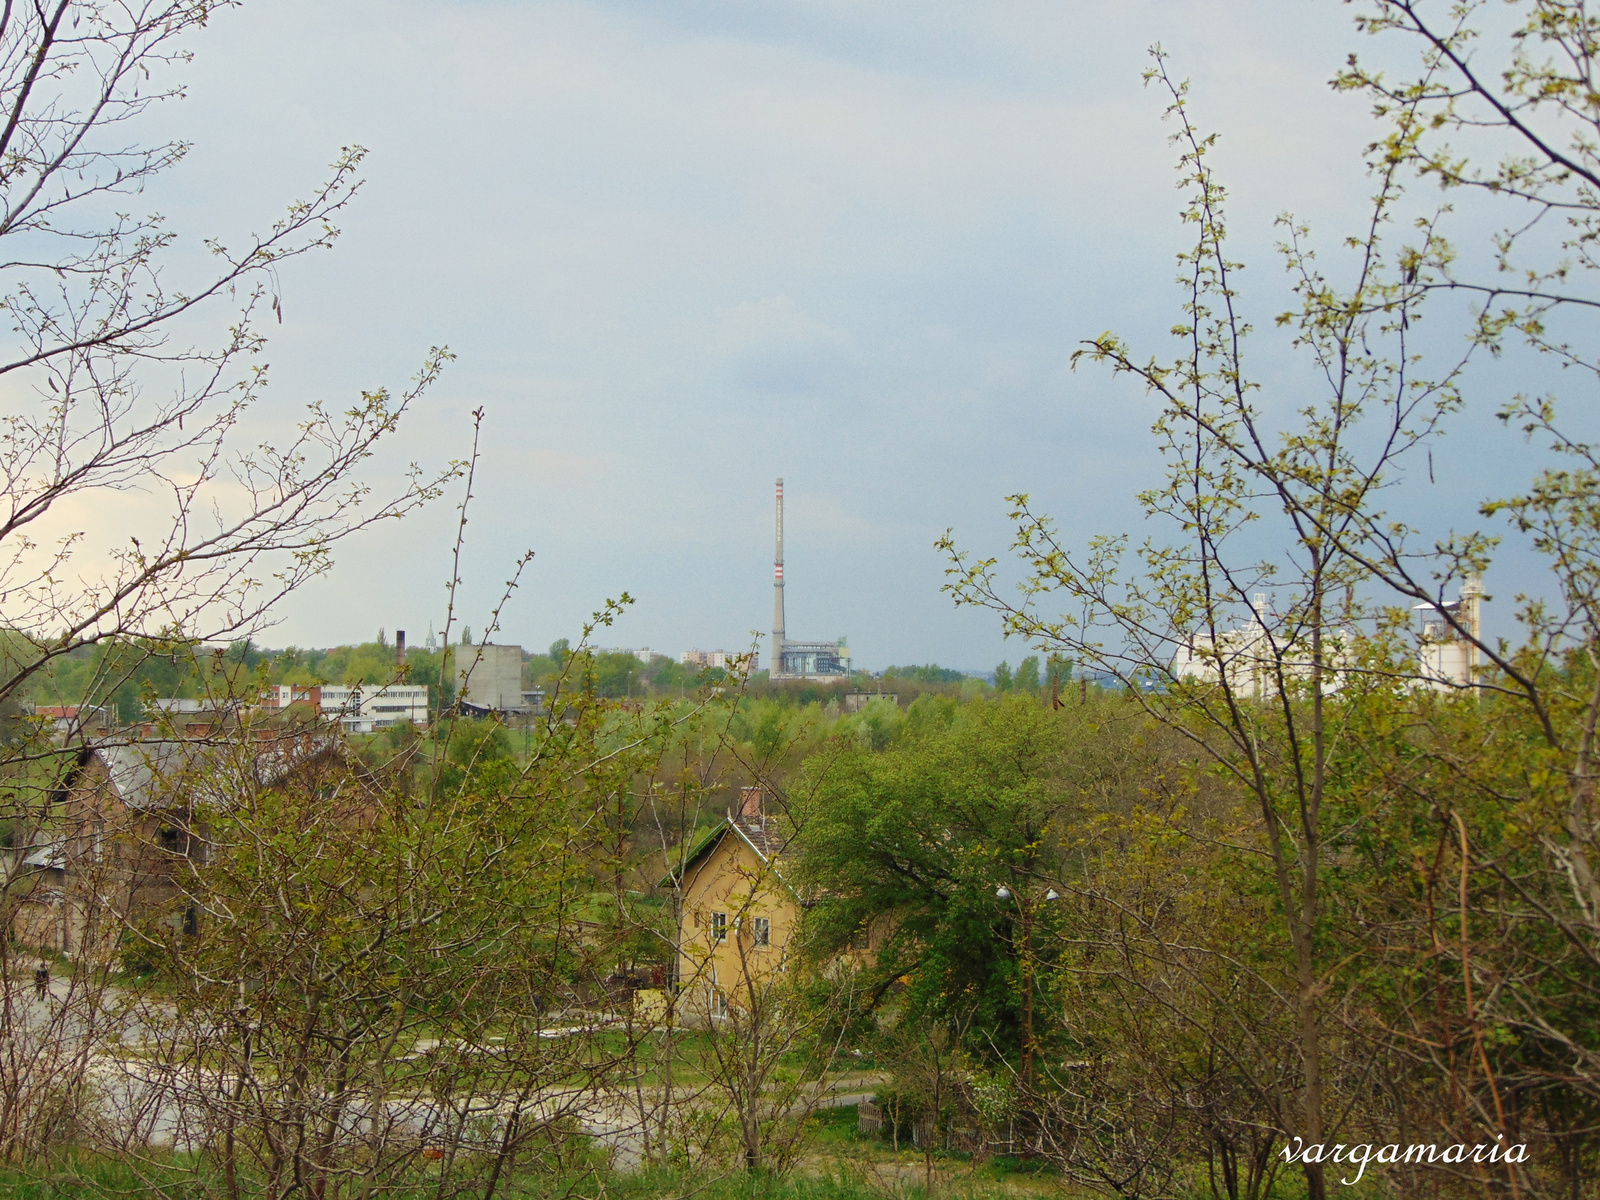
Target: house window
column 858, row 939
column 719, row 927
column 762, row 932
column 719, row 1002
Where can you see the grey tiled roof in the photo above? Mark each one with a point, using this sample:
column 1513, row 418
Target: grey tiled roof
column 762, row 834
column 172, row 772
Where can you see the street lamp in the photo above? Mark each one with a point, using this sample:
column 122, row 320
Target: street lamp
column 1004, row 893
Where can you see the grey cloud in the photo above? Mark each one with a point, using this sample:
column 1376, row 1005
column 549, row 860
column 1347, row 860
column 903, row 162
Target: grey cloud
column 683, row 247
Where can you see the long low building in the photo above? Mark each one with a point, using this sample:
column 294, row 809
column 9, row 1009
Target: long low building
column 358, row 708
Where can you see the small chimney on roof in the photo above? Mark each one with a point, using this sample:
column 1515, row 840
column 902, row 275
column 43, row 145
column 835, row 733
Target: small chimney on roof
column 751, row 807
column 400, row 647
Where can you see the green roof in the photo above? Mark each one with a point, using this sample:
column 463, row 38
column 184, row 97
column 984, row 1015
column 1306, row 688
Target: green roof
column 699, row 850
column 709, row 841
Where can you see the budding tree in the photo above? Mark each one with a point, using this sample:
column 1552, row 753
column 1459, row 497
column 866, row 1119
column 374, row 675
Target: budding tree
column 111, row 382
column 1284, row 667
column 129, row 366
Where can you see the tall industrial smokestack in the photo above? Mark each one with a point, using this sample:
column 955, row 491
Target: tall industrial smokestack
column 400, row 647
column 776, row 667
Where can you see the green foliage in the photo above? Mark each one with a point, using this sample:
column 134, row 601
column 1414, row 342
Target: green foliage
column 1394, row 886
column 436, row 906
column 617, row 674
column 1002, row 677
column 877, row 724
column 918, row 838
column 85, row 1175
column 140, row 954
column 82, row 1176
column 767, row 727
column 927, row 716
column 244, row 653
column 125, row 673
column 478, row 758
column 663, row 675
column 367, row 663
column 537, row 670
column 620, row 674
column 931, row 673
column 425, row 667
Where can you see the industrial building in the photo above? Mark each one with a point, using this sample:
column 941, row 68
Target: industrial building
column 357, row 708
column 800, row 660
column 376, row 706
column 1448, row 653
column 489, row 677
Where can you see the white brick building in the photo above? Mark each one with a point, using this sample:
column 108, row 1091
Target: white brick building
column 358, row 708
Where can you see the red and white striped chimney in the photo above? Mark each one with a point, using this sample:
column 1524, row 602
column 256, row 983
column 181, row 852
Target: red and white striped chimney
column 776, row 667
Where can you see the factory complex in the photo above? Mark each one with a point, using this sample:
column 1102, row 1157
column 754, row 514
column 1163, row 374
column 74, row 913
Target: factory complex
column 488, row 677
column 793, row 659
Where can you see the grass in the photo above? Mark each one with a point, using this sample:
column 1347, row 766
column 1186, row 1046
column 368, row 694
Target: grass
column 837, row 1184
column 835, row 1166
column 838, row 1163
column 834, row 1134
column 88, row 1177
column 833, row 1128
column 82, row 1176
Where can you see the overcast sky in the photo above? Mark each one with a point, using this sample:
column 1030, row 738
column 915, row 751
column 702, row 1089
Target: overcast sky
column 683, row 248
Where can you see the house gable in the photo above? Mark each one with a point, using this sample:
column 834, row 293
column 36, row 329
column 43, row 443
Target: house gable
column 737, row 918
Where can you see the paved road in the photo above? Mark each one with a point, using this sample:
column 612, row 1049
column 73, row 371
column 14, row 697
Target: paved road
column 137, row 1099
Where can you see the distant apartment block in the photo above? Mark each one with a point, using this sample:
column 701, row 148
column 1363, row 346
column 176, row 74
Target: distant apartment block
column 285, row 694
column 376, row 706
column 728, row 660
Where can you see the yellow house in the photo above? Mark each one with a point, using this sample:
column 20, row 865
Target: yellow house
column 738, row 915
